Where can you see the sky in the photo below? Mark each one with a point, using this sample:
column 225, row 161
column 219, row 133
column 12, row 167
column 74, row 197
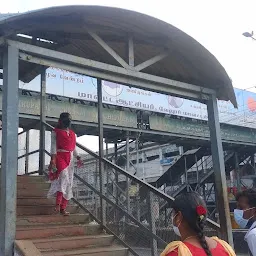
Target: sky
column 218, row 25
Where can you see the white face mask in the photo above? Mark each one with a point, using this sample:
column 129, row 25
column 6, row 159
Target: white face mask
column 240, row 220
column 175, row 229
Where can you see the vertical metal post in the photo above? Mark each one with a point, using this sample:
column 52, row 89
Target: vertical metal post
column 115, row 185
column 253, row 162
column 116, row 177
column 137, row 156
column 138, row 186
column 127, row 169
column 160, row 159
column 131, row 63
column 197, row 171
column 42, row 120
column 219, row 171
column 101, row 152
column 186, row 173
column 238, row 180
column 107, row 170
column 27, row 151
column 152, row 223
column 10, row 124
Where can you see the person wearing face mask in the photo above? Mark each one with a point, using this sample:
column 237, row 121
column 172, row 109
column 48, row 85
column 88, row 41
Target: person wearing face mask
column 61, row 168
column 245, row 216
column 188, row 219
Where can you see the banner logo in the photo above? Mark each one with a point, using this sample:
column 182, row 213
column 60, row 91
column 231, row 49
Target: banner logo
column 175, row 101
column 112, row 89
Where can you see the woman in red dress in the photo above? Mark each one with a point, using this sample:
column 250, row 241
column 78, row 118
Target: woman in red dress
column 63, row 149
column 188, row 219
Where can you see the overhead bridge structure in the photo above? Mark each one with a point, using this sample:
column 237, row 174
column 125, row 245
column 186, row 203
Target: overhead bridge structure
column 117, row 122
column 123, row 47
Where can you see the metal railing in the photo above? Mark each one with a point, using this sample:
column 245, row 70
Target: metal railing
column 135, row 212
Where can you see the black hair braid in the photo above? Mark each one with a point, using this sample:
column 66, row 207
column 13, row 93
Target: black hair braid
column 201, row 238
column 187, row 204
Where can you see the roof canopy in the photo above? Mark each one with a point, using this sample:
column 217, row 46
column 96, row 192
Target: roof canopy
column 93, row 32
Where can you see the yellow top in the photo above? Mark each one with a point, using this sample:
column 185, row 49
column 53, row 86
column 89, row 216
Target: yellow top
column 184, row 251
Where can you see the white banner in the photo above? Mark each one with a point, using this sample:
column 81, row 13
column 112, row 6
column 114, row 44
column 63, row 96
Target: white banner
column 82, row 87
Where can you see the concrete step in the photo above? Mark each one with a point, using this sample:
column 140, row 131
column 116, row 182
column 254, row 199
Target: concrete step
column 51, row 231
column 101, row 251
column 30, row 201
column 52, row 220
column 76, row 242
column 31, row 179
column 33, row 185
column 32, row 193
column 29, row 210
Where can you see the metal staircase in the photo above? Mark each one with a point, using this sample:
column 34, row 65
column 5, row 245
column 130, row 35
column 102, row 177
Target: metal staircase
column 117, row 199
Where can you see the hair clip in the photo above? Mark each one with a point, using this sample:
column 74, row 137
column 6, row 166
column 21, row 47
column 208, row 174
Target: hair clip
column 201, row 212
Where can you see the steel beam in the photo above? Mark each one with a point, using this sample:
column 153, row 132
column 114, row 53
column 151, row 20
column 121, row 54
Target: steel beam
column 106, row 47
column 136, row 79
column 42, row 121
column 110, row 72
column 102, row 173
column 10, row 119
column 151, row 61
column 219, row 171
column 131, row 59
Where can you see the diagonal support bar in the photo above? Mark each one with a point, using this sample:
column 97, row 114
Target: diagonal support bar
column 151, row 61
column 131, row 52
column 106, row 47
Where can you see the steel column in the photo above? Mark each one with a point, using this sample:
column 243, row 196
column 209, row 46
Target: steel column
column 186, row 173
column 253, row 162
column 101, row 152
column 219, row 170
column 107, row 170
column 42, row 121
column 115, row 184
column 238, row 180
column 138, row 186
column 115, row 191
column 127, row 169
column 27, row 152
column 197, row 171
column 152, row 223
column 10, row 119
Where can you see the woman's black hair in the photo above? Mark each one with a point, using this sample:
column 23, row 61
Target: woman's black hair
column 187, row 203
column 64, row 115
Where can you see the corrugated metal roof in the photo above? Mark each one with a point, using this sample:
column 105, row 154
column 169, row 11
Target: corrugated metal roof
column 67, row 26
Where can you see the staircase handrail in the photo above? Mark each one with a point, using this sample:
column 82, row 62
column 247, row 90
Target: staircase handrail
column 152, row 189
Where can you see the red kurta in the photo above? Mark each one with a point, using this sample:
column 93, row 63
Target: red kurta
column 196, row 251
column 65, row 141
column 63, row 146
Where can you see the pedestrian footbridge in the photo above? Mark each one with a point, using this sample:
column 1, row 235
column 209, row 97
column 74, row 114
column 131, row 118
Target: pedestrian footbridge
column 118, row 121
